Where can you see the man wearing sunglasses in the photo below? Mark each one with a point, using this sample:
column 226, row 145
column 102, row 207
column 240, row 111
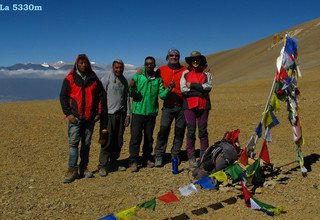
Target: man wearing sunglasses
column 145, row 88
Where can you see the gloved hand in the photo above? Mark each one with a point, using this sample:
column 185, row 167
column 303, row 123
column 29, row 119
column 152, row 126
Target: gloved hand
column 103, row 136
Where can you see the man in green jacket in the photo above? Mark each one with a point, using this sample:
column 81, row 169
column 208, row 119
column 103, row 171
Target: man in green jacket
column 145, row 88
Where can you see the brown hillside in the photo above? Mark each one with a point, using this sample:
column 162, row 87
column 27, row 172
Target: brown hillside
column 34, row 150
column 257, row 60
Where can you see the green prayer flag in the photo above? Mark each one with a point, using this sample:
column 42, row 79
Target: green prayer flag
column 151, row 204
column 234, row 171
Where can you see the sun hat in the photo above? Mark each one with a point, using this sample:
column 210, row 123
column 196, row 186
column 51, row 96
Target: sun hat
column 196, row 54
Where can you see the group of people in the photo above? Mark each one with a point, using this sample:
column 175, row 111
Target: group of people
column 85, row 99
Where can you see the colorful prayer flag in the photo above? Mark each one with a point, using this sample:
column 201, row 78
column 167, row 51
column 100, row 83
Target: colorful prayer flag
column 206, row 183
column 151, row 204
column 188, row 189
column 267, row 135
column 235, row 171
column 220, row 176
column 264, row 153
column 267, row 119
column 275, row 102
column 259, row 130
column 169, row 197
column 126, row 214
column 297, row 134
column 291, row 45
column 269, row 209
column 243, row 159
column 252, row 169
column 246, row 194
column 109, row 217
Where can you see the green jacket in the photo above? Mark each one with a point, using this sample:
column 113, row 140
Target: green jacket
column 145, row 94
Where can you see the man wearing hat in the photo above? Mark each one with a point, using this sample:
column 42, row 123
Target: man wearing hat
column 172, row 108
column 196, row 83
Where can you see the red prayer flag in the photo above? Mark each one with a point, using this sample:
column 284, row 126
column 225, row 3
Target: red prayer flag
column 264, row 153
column 243, row 159
column 246, row 194
column 169, row 197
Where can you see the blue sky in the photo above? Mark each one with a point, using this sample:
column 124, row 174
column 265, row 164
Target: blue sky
column 134, row 29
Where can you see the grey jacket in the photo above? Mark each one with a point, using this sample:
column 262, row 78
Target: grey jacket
column 117, row 92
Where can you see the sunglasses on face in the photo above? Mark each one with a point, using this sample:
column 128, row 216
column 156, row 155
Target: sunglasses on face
column 174, row 55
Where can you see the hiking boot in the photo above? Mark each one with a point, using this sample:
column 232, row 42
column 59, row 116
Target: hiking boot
column 103, row 172
column 150, row 164
column 158, row 162
column 134, row 167
column 85, row 173
column 122, row 168
column 114, row 166
column 193, row 163
column 71, row 175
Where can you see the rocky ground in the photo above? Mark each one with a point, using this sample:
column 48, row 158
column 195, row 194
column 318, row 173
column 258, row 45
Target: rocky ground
column 34, row 151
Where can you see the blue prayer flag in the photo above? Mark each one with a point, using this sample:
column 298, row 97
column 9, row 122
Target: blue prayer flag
column 259, row 130
column 206, row 183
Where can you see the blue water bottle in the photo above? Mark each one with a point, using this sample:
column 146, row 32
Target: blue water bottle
column 175, row 164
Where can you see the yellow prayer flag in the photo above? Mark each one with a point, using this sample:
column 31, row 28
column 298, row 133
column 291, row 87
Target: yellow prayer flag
column 275, row 103
column 126, row 214
column 221, row 176
column 267, row 119
column 290, row 72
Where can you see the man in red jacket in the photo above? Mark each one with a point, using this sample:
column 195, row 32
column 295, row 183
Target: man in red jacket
column 172, row 108
column 80, row 99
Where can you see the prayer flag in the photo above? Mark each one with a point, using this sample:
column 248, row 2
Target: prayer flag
column 275, row 103
column 221, row 176
column 291, row 45
column 274, row 122
column 246, row 194
column 264, row 153
column 243, row 159
column 267, row 135
column 126, row 214
column 188, row 189
column 235, row 171
column 151, row 204
column 267, row 119
column 269, row 209
column 109, row 217
column 297, row 134
column 259, row 130
column 169, row 197
column 206, row 183
column 252, row 169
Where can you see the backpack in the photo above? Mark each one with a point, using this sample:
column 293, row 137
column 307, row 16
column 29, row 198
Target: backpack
column 219, row 155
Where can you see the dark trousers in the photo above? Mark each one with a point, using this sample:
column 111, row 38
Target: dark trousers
column 141, row 125
column 167, row 117
column 112, row 148
column 193, row 117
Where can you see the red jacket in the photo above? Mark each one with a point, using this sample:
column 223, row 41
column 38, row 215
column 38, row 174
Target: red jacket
column 174, row 98
column 197, row 96
column 79, row 97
